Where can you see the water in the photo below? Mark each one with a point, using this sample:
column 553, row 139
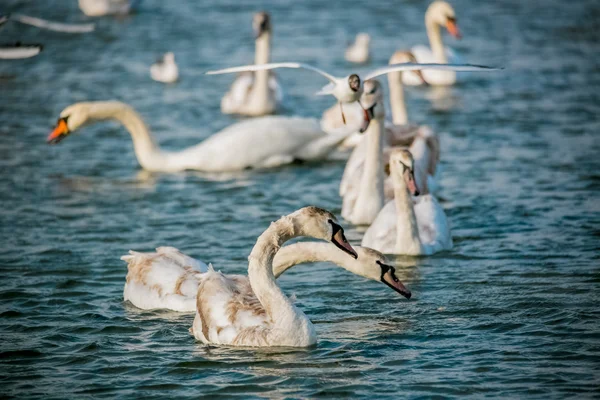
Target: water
column 512, row 311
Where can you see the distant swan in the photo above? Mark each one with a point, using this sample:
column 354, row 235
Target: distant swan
column 168, row 279
column 256, row 143
column 405, row 225
column 99, row 8
column 255, row 93
column 358, row 52
column 438, row 14
column 165, row 69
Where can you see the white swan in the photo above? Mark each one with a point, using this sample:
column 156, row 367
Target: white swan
column 258, row 93
column 168, row 279
column 439, row 13
column 99, row 8
column 235, row 312
column 358, row 52
column 257, row 143
column 406, row 227
column 165, row 69
column 423, row 142
column 19, row 51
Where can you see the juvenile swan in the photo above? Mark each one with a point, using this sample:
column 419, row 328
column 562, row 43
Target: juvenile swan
column 233, row 312
column 168, row 279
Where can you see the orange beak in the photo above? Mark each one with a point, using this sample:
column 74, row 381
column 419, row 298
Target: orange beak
column 453, row 28
column 59, row 133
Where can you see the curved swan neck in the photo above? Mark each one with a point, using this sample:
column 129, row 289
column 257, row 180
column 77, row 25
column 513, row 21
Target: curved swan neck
column 262, row 56
column 260, row 271
column 407, row 230
column 399, row 112
column 146, row 149
column 306, row 252
column 435, row 38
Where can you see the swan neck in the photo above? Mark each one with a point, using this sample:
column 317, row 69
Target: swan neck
column 407, row 229
column 435, row 39
column 146, row 149
column 307, row 252
column 399, row 112
column 262, row 56
column 371, row 196
column 260, row 271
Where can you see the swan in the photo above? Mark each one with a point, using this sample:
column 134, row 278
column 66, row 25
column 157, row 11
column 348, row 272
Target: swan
column 19, row 51
column 358, row 52
column 347, row 89
column 423, row 142
column 48, row 25
column 100, row 8
column 168, row 279
column 439, row 13
column 232, row 311
column 258, row 93
column 165, row 69
column 257, row 143
column 404, row 226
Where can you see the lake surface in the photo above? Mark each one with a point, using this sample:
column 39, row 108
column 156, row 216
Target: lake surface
column 513, row 311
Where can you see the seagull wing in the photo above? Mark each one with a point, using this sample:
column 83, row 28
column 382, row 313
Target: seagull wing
column 262, row 67
column 416, row 66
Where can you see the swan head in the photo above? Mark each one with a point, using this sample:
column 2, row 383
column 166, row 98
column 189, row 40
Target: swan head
column 442, row 14
column 321, row 224
column 373, row 265
column 402, row 166
column 363, row 39
column 372, row 99
column 261, row 23
column 169, row 58
column 405, row 56
column 70, row 119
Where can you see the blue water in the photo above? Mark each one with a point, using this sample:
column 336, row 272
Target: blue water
column 513, row 311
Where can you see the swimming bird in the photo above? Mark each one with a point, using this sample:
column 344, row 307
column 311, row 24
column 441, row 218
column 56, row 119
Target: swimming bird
column 234, row 312
column 255, row 143
column 18, row 51
column 257, row 93
column 439, row 14
column 165, row 69
column 358, row 52
column 407, row 225
column 168, row 279
column 99, row 8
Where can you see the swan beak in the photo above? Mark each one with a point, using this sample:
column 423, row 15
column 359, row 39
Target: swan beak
column 453, row 28
column 412, row 184
column 59, row 133
column 390, row 279
column 367, row 117
column 339, row 239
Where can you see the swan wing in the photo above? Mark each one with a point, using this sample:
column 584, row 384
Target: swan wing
column 434, row 229
column 269, row 66
column 53, row 26
column 165, row 279
column 276, row 88
column 228, row 312
column 381, row 235
column 418, row 66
